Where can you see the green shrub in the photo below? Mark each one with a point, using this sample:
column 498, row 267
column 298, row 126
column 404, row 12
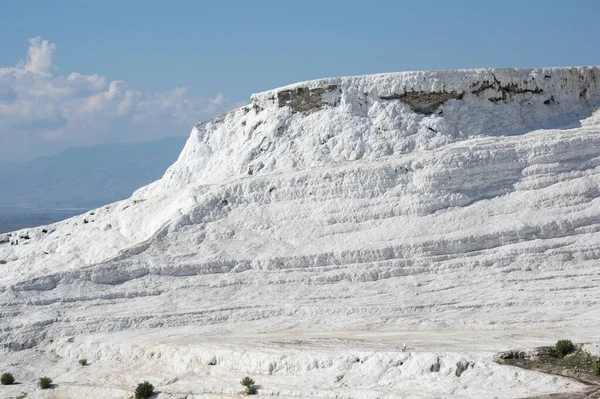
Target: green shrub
column 251, row 390
column 564, row 347
column 45, row 382
column 83, row 362
column 7, row 379
column 597, row 368
column 251, row 387
column 247, row 382
column 144, row 390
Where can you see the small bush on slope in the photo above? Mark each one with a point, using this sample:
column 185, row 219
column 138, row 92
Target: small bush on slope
column 45, row 382
column 597, row 368
column 144, row 390
column 7, row 379
column 251, row 387
column 83, row 362
column 564, row 347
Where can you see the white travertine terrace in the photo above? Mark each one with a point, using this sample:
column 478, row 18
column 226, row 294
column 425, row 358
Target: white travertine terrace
column 303, row 238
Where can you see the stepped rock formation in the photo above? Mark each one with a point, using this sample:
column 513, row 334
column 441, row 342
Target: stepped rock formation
column 323, row 224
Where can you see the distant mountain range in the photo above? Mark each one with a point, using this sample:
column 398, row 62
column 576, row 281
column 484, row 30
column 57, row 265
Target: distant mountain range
column 84, row 177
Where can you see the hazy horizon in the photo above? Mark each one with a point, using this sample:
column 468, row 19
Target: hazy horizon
column 51, row 188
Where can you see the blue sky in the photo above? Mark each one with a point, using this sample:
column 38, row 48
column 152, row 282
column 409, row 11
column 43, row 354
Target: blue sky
column 221, row 52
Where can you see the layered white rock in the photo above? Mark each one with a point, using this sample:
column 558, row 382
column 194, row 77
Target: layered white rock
column 326, row 121
column 456, row 209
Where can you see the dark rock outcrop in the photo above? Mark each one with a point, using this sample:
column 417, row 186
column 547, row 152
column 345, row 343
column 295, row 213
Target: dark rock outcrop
column 461, row 366
column 306, row 100
column 504, row 91
column 424, row 102
column 436, row 366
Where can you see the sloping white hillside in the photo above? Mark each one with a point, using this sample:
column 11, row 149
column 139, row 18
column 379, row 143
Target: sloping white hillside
column 303, row 238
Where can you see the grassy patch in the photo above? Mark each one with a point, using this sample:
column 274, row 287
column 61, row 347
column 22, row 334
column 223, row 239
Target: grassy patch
column 578, row 364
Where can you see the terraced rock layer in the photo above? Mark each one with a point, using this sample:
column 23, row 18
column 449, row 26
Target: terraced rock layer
column 442, row 205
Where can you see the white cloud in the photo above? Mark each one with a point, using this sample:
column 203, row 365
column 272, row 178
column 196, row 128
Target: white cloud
column 43, row 112
column 40, row 57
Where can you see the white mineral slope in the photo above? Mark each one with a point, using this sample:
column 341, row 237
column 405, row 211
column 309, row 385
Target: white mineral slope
column 303, row 238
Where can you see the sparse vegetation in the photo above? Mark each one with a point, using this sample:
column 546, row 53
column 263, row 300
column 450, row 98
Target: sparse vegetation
column 251, row 387
column 564, row 347
column 7, row 379
column 45, row 382
column 83, row 362
column 579, row 364
column 144, row 390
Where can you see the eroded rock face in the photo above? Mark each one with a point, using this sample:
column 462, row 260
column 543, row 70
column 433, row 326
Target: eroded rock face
column 435, row 368
column 307, row 100
column 425, row 102
column 334, row 120
column 505, row 91
column 462, row 366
